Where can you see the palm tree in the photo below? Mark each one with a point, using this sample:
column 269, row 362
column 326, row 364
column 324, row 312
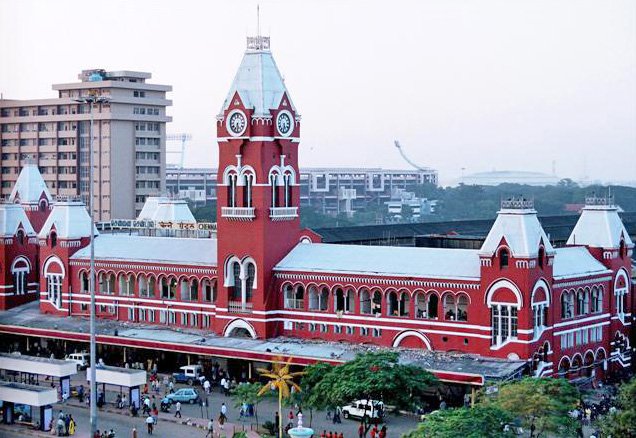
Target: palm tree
column 281, row 379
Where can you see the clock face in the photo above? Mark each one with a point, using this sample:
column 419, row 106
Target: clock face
column 284, row 123
column 236, row 123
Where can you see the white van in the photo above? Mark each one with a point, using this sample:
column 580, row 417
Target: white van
column 82, row 359
column 372, row 409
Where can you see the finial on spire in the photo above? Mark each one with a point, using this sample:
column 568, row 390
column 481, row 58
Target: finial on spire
column 258, row 42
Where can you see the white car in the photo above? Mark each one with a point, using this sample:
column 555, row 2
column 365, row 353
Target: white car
column 81, row 359
column 372, row 409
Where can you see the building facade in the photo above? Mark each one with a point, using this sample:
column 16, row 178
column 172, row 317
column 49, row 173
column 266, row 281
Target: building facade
column 332, row 190
column 565, row 311
column 129, row 140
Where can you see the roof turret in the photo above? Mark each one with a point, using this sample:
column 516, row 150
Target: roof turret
column 70, row 220
column 166, row 210
column 30, row 186
column 11, row 217
column 599, row 225
column 518, row 224
column 258, row 80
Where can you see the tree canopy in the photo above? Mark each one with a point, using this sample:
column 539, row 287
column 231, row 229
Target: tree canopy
column 623, row 421
column 376, row 376
column 542, row 405
column 483, row 421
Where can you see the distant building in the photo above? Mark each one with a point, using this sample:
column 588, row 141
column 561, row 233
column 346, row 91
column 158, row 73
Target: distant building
column 130, row 145
column 405, row 205
column 495, row 178
column 333, row 190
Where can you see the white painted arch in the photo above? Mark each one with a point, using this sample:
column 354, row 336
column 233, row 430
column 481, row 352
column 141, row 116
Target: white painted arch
column 408, row 333
column 503, row 284
column 238, row 324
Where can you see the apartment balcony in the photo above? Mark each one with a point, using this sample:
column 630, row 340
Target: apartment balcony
column 239, row 307
column 238, row 213
column 283, row 213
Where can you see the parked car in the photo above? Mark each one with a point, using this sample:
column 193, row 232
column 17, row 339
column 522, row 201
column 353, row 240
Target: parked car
column 183, row 395
column 189, row 374
column 81, row 359
column 371, row 409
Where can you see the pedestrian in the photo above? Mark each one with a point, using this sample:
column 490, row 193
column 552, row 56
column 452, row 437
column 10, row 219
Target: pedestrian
column 374, row 431
column 71, row 425
column 133, row 434
column 323, row 434
column 222, row 384
column 291, row 416
column 340, row 435
column 206, row 386
column 124, row 401
column 330, row 434
column 67, row 423
column 383, row 432
column 171, row 386
column 227, row 387
column 150, row 422
column 80, row 393
column 276, row 420
column 224, row 410
column 178, row 411
column 210, row 429
column 361, row 430
column 61, row 429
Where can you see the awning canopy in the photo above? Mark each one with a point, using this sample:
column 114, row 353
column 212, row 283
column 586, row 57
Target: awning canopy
column 27, row 394
column 37, row 365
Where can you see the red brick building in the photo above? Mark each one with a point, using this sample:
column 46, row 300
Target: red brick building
column 566, row 311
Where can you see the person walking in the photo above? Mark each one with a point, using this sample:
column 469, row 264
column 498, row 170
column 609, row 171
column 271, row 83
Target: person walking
column 223, row 385
column 206, row 386
column 178, row 411
column 224, row 411
column 133, row 434
column 361, row 430
column 71, row 425
column 210, row 429
column 383, row 432
column 150, row 423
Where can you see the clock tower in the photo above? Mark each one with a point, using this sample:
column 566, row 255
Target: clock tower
column 258, row 195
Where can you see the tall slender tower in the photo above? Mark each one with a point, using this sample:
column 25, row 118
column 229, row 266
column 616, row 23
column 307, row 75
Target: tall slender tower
column 258, row 132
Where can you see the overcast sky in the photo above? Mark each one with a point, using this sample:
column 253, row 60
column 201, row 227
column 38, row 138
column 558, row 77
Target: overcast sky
column 505, row 85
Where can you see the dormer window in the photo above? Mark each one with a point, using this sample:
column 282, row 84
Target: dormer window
column 621, row 249
column 53, row 238
column 20, row 237
column 503, row 258
column 541, row 257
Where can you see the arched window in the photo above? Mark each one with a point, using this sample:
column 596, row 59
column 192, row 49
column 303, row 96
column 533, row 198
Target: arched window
column 287, row 183
column 340, row 300
column 539, row 306
column 288, row 292
column 504, row 322
column 231, row 189
column 450, row 313
column 462, row 308
column 126, row 285
column 376, row 302
column 20, row 236
column 53, row 238
column 432, row 306
column 294, row 297
column 236, row 292
column 206, row 288
column 107, row 283
column 365, row 301
column 420, row 305
column 142, row 280
column 194, row 290
column 580, row 302
column 84, row 282
column 54, row 274
column 621, row 249
column 314, row 298
column 567, row 305
column 324, row 299
column 392, row 303
column 503, row 258
column 152, row 286
column 248, row 180
column 273, row 182
column 249, row 282
column 20, row 271
column 541, row 256
column 620, row 292
column 404, row 304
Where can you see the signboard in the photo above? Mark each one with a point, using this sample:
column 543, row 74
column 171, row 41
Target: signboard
column 162, row 225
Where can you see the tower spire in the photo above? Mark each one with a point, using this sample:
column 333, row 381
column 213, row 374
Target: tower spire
column 258, row 20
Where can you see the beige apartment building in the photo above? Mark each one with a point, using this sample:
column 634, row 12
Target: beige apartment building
column 129, row 141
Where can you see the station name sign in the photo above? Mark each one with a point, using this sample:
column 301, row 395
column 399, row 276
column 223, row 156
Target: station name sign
column 164, row 225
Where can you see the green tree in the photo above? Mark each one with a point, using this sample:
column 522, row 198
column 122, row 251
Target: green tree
column 478, row 422
column 542, row 405
column 247, row 393
column 623, row 421
column 313, row 375
column 371, row 376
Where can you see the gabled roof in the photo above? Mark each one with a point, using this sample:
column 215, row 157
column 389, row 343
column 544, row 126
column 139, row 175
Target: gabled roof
column 70, row 219
column 521, row 230
column 11, row 216
column 173, row 250
column 600, row 227
column 166, row 210
column 30, row 186
column 258, row 82
column 576, row 261
column 399, row 261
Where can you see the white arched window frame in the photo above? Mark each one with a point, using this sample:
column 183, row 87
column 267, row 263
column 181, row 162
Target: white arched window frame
column 20, row 269
column 247, row 178
column 540, row 309
column 288, row 182
column 54, row 281
column 620, row 295
column 241, row 275
column 365, row 301
column 230, row 180
column 504, row 315
column 274, row 182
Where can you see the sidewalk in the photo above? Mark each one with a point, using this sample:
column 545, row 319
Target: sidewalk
column 200, row 423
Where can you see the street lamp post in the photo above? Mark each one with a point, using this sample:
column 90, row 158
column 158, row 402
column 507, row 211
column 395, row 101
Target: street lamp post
column 92, row 99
